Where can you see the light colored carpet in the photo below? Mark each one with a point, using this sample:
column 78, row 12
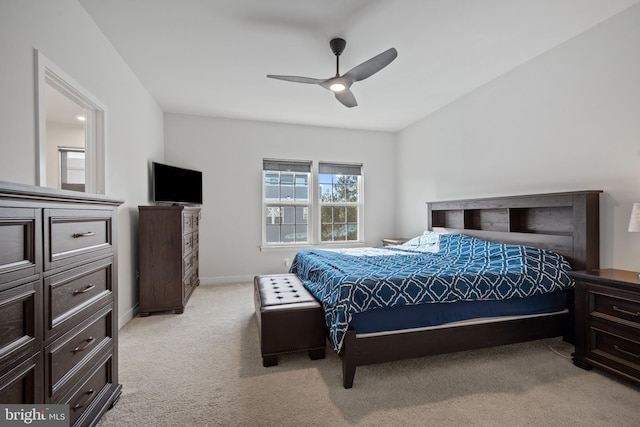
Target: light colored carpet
column 203, row 368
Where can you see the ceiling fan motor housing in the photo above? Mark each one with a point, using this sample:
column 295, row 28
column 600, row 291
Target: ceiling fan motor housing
column 337, row 46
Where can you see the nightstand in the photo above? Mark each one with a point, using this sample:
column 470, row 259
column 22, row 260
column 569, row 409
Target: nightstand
column 607, row 321
column 393, row 241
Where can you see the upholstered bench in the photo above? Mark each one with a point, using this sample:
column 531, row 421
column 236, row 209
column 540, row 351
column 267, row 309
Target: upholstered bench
column 290, row 319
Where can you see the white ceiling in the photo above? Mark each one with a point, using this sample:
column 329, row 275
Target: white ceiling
column 211, row 57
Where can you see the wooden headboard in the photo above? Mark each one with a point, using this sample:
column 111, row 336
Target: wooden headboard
column 567, row 223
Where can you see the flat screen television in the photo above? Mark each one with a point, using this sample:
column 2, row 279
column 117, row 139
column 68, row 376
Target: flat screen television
column 174, row 185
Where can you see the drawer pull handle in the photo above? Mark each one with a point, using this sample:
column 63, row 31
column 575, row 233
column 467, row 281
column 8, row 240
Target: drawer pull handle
column 83, row 291
column 90, row 394
column 87, row 234
column 630, row 313
column 628, row 353
column 89, row 341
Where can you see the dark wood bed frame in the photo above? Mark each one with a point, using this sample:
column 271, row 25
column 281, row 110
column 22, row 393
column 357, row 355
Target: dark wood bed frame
column 567, row 223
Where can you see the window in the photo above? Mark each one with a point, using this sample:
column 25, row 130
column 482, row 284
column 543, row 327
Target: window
column 286, row 201
column 289, row 203
column 72, row 167
column 339, row 190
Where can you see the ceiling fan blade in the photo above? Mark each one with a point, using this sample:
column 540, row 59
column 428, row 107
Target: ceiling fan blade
column 372, row 66
column 297, row 79
column 347, row 98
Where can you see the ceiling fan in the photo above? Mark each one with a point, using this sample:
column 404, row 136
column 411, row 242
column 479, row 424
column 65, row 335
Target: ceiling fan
column 340, row 85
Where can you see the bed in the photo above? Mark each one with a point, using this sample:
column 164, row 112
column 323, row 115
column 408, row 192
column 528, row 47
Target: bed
column 556, row 232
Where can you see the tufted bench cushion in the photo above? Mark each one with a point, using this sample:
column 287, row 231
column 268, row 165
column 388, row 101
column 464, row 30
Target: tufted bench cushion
column 289, row 318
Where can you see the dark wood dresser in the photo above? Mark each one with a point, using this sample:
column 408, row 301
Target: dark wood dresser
column 168, row 257
column 607, row 321
column 58, row 300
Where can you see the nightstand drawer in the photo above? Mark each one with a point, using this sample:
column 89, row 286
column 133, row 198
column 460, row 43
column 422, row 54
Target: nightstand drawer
column 615, row 308
column 616, row 349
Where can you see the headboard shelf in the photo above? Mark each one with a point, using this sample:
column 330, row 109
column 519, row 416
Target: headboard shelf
column 567, row 223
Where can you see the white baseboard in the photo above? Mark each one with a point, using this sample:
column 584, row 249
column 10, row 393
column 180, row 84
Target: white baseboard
column 126, row 317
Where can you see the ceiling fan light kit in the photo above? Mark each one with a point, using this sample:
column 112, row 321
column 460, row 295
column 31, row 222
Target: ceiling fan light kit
column 337, row 87
column 340, row 85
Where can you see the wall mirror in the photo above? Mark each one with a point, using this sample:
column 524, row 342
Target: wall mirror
column 70, row 132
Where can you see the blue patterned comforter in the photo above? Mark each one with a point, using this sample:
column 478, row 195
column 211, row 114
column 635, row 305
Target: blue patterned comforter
column 432, row 268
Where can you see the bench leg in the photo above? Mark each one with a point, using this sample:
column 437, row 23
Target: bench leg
column 316, row 354
column 269, row 361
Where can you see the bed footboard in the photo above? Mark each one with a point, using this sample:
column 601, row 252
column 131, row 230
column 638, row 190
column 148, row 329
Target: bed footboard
column 371, row 349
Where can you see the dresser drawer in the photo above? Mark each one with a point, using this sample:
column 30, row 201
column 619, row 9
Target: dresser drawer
column 72, row 295
column 187, row 265
column 618, row 307
column 20, row 330
column 187, row 288
column 187, row 222
column 196, row 220
column 187, row 244
column 195, row 277
column 70, row 353
column 90, row 394
column 76, row 235
column 20, row 237
column 23, row 383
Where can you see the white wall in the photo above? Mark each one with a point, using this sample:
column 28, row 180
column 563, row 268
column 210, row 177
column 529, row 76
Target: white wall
column 567, row 120
column 230, row 153
column 66, row 35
